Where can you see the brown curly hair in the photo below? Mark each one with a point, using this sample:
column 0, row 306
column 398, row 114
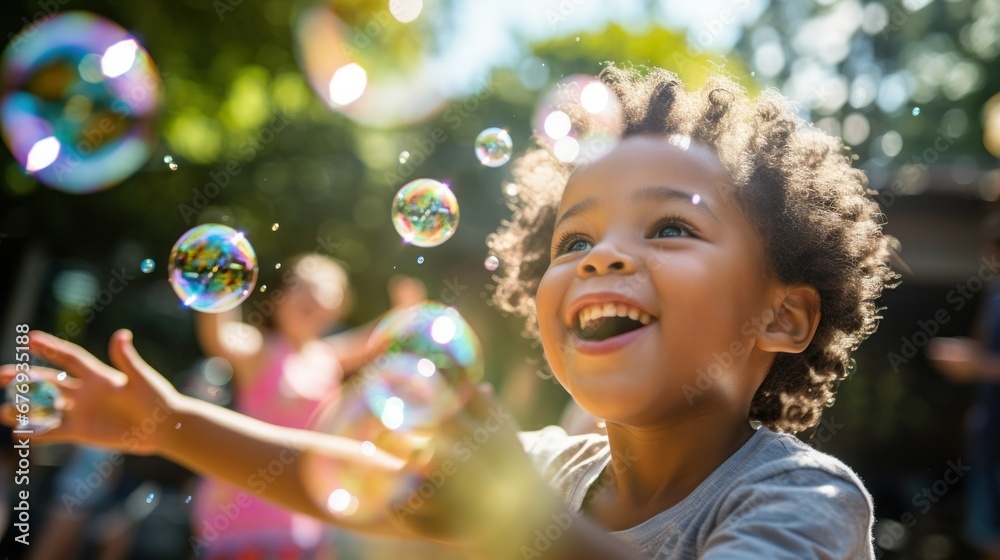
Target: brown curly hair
column 812, row 209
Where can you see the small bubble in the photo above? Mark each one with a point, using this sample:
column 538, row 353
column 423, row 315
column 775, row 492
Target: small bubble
column 147, row 266
column 403, row 156
column 149, row 498
column 168, row 159
column 577, row 39
column 177, row 426
column 172, row 166
column 263, row 288
column 492, row 263
column 368, row 448
column 277, row 266
column 187, row 500
column 61, row 376
column 916, row 111
column 420, row 260
column 752, row 74
column 275, row 226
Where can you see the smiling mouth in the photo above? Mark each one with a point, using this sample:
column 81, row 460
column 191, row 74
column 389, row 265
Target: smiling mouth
column 606, row 327
column 597, row 322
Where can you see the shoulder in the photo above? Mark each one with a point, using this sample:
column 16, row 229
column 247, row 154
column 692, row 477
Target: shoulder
column 561, row 458
column 802, row 498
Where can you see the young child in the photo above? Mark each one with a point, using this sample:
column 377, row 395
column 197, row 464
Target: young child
column 699, row 288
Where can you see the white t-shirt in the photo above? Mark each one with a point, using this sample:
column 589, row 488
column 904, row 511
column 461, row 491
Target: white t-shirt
column 775, row 498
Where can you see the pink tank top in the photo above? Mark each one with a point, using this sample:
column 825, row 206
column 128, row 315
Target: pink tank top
column 285, row 392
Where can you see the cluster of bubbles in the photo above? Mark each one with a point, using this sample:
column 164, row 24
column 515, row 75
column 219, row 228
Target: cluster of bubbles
column 578, row 119
column 79, row 100
column 212, row 268
column 429, row 361
column 425, row 213
column 40, row 396
column 169, row 160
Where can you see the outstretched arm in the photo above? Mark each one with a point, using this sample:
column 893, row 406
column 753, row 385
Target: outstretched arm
column 135, row 410
column 490, row 500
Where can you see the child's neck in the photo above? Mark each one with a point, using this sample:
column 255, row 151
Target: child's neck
column 654, row 469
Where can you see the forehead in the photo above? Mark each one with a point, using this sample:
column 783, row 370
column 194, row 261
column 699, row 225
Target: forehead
column 642, row 161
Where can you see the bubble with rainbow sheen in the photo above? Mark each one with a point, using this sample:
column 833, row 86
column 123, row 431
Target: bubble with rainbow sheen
column 578, row 119
column 355, row 491
column 212, row 268
column 493, row 147
column 78, row 102
column 430, row 360
column 41, row 397
column 425, row 213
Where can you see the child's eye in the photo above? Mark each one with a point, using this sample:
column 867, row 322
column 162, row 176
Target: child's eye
column 672, row 227
column 571, row 243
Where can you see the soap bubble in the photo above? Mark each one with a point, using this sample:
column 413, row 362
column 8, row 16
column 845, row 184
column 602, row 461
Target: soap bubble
column 366, row 65
column 491, row 263
column 493, row 147
column 430, row 364
column 351, row 491
column 212, row 268
column 40, row 396
column 579, row 119
column 147, row 266
column 403, row 156
column 420, row 260
column 79, row 100
column 915, row 112
column 425, row 213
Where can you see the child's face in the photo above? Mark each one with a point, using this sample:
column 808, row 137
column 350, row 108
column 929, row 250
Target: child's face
column 312, row 302
column 652, row 227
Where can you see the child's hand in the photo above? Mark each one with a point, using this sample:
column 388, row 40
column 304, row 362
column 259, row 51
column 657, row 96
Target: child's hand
column 479, row 490
column 957, row 358
column 405, row 291
column 101, row 406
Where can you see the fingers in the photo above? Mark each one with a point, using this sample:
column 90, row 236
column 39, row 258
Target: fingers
column 65, row 355
column 125, row 357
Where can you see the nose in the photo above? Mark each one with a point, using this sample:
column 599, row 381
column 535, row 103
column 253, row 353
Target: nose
column 606, row 258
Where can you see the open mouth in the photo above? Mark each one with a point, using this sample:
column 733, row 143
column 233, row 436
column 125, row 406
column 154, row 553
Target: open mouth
column 602, row 321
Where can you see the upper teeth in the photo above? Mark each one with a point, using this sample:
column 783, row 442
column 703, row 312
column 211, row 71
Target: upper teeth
column 596, row 311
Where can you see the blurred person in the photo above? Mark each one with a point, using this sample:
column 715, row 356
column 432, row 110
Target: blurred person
column 282, row 369
column 977, row 360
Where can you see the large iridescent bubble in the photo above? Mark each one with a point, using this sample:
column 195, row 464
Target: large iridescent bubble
column 79, row 100
column 212, row 268
column 579, row 119
column 378, row 67
column 429, row 365
column 425, row 213
column 389, row 415
column 358, row 492
column 34, row 401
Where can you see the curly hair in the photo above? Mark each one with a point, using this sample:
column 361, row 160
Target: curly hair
column 813, row 212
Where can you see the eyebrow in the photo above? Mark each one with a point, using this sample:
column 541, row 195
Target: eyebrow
column 646, row 194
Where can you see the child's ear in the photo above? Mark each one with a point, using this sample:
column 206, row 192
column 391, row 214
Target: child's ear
column 793, row 323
